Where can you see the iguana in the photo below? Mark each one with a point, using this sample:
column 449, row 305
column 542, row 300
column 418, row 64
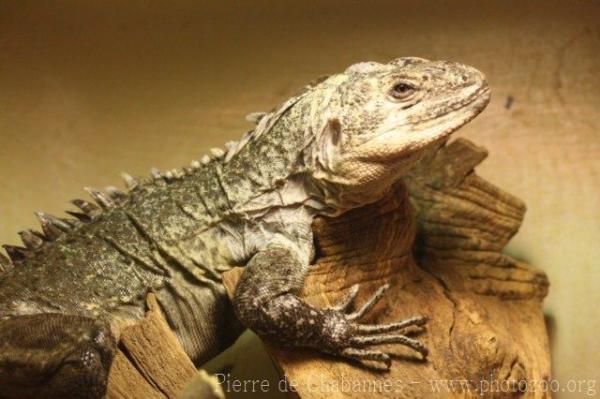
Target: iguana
column 339, row 144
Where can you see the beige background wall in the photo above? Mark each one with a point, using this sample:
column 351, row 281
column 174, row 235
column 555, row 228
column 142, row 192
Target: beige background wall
column 88, row 89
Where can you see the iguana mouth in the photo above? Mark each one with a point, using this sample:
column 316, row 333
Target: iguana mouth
column 479, row 98
column 483, row 93
column 482, row 96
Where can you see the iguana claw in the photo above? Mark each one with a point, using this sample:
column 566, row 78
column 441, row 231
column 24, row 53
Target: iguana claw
column 360, row 335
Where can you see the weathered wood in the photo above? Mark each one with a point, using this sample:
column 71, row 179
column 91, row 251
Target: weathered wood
column 151, row 363
column 436, row 240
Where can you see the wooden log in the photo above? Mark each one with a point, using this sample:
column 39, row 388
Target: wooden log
column 437, row 240
column 151, row 364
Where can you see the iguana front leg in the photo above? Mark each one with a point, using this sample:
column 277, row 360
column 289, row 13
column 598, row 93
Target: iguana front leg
column 54, row 356
column 266, row 300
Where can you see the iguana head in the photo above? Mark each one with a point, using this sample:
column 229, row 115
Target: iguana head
column 374, row 121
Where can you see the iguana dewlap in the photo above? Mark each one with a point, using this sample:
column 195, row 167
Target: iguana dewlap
column 340, row 144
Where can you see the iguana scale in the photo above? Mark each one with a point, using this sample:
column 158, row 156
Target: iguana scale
column 340, row 144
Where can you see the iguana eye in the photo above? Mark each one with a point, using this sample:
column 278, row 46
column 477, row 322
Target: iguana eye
column 402, row 91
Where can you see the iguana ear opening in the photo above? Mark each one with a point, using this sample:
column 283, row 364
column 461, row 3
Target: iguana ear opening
column 329, row 143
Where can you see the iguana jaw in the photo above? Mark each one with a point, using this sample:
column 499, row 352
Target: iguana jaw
column 395, row 144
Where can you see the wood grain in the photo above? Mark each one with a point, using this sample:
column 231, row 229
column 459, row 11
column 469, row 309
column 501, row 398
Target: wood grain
column 151, row 363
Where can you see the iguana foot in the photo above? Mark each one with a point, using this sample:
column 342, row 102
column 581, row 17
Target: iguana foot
column 54, row 356
column 266, row 300
column 336, row 330
column 348, row 338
